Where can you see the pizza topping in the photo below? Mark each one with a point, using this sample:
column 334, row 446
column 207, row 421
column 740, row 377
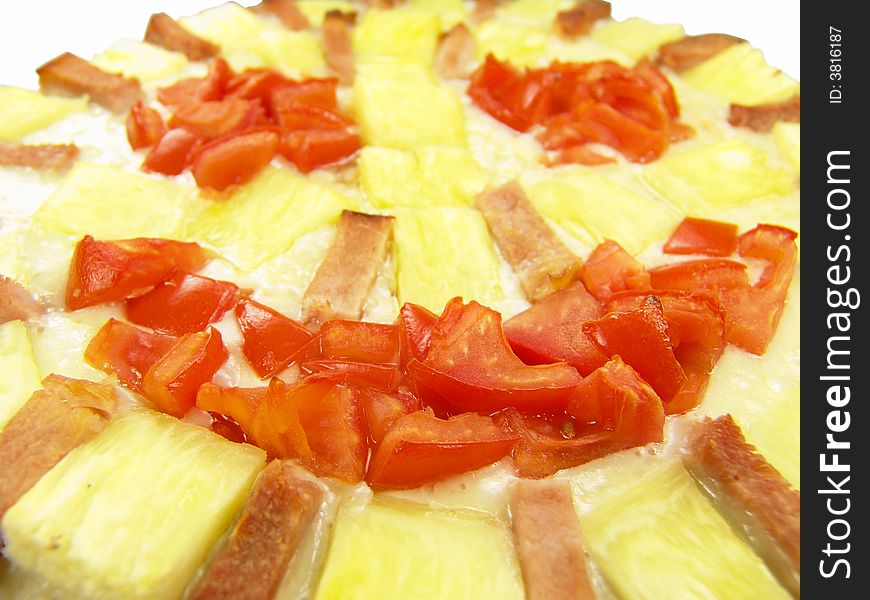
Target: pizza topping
column 211, row 87
column 173, row 153
column 166, row 32
column 549, row 541
column 69, row 74
column 116, row 270
column 126, row 351
column 578, row 21
column 702, row 236
column 382, row 409
column 43, row 157
column 543, row 263
column 337, row 45
column 415, row 324
column 763, row 117
column 271, row 340
column 687, row 52
column 145, row 126
column 234, row 159
column 16, row 303
column 750, row 493
column 456, row 52
column 346, row 275
column 630, row 110
column 276, row 517
column 484, row 10
column 62, row 415
column 287, row 11
column 610, row 269
column 357, row 341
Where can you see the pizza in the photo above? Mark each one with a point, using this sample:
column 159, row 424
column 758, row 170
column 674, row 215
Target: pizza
column 330, row 299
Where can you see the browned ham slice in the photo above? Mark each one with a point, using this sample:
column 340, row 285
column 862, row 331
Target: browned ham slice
column 750, row 493
column 166, row 32
column 347, row 273
column 287, row 11
column 43, row 157
column 70, row 75
column 579, row 20
column 541, row 261
column 275, row 519
column 337, row 45
column 687, row 52
column 763, row 117
column 484, row 10
column 16, row 303
column 456, row 52
column 549, row 542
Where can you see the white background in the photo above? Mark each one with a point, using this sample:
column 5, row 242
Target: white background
column 34, row 31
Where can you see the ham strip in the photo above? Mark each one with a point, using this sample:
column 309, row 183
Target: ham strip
column 43, row 157
column 16, row 303
column 286, row 11
column 337, row 45
column 750, row 494
column 763, row 117
column 543, row 263
column 687, row 52
column 456, row 52
column 484, row 10
column 62, row 415
column 276, row 517
column 549, row 541
column 347, row 273
column 579, row 20
column 166, row 32
column 69, row 74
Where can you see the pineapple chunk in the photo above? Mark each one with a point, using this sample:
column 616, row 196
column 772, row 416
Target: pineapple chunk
column 21, row 376
column 134, row 512
column 25, row 111
column 740, row 75
column 248, row 41
column 539, row 13
column 10, row 259
column 443, row 253
column 400, row 104
column 428, row 176
column 515, row 42
column 659, row 537
column 788, row 138
column 592, row 209
column 776, row 434
column 110, row 203
column 265, row 217
column 141, row 60
column 450, row 12
column 396, row 551
column 717, row 176
column 315, row 10
column 403, row 33
column 637, row 37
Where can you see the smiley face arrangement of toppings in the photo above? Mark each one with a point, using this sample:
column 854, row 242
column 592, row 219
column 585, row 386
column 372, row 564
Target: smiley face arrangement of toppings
column 424, row 299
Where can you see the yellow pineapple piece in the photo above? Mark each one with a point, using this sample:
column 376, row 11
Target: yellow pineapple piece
column 788, row 138
column 449, row 12
column 400, row 104
column 658, row 536
column 740, row 75
column 403, row 33
column 134, row 512
column 141, row 60
column 540, row 13
column 110, row 203
column 25, row 111
column 593, row 208
column 716, row 176
column 249, row 41
column 776, row 434
column 394, row 551
column 21, row 376
column 263, row 218
column 518, row 43
column 315, row 10
column 427, row 176
column 443, row 253
column 637, row 37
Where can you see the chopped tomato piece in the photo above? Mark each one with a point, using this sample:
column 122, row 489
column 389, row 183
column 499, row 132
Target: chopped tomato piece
column 144, row 126
column 604, row 124
column 632, row 95
column 550, row 330
column 661, row 87
column 415, row 325
column 126, row 351
column 172, row 382
column 270, row 339
column 611, row 410
column 640, row 338
column 498, row 88
column 240, row 404
column 214, row 118
column 254, row 84
column 234, row 160
column 211, row 87
column 296, row 117
column 313, row 148
column 184, row 304
column 703, row 236
column 228, row 428
column 120, row 269
column 472, row 367
column 710, row 274
column 610, row 269
column 383, row 409
column 312, row 92
column 173, row 153
column 420, row 448
column 384, row 377
column 359, row 341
